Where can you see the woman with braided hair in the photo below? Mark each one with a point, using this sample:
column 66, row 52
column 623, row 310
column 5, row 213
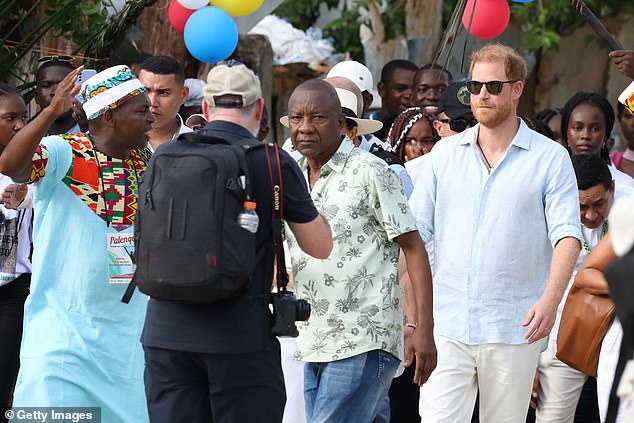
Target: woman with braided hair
column 412, row 134
column 587, row 120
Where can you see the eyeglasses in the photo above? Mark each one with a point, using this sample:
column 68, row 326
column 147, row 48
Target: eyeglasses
column 493, row 87
column 459, row 124
column 61, row 58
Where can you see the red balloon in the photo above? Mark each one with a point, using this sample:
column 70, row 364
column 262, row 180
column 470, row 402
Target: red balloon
column 178, row 15
column 490, row 18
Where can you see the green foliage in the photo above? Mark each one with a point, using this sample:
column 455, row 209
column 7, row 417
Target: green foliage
column 302, row 14
column 544, row 20
column 345, row 29
column 82, row 20
column 345, row 33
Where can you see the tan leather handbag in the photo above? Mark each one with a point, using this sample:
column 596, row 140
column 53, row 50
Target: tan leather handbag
column 584, row 322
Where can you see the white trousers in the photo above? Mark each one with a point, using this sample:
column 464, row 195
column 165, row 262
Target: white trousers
column 559, row 388
column 502, row 373
column 294, row 411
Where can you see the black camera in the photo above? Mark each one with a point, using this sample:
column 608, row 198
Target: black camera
column 286, row 311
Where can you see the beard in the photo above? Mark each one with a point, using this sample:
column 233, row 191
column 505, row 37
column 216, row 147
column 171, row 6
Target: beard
column 493, row 117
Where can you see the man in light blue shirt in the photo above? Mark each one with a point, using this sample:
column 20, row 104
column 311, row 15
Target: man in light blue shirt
column 502, row 205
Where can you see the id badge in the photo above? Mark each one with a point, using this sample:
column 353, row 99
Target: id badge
column 120, row 247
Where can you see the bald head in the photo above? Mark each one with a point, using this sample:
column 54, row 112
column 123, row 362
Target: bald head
column 346, row 84
column 320, row 91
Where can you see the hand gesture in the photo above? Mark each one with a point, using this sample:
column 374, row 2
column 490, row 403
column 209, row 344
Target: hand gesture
column 624, row 60
column 65, row 93
column 13, row 195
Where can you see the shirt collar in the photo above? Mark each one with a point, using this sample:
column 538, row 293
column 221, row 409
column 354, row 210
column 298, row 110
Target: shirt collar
column 337, row 161
column 521, row 139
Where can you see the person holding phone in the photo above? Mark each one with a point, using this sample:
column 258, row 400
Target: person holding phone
column 51, row 71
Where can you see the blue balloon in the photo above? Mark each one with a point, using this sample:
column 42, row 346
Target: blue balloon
column 211, row 35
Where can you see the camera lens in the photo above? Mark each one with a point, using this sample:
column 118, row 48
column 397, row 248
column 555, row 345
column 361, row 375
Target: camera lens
column 302, row 310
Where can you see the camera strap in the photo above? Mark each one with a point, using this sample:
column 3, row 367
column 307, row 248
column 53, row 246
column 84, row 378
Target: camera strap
column 275, row 175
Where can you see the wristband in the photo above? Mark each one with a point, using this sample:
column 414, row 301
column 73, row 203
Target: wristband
column 410, row 325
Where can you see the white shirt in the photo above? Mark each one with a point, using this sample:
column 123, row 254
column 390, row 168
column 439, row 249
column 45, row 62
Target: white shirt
column 624, row 181
column 182, row 129
column 15, row 258
column 622, row 225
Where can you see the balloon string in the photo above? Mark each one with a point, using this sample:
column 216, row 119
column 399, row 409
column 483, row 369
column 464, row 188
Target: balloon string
column 450, row 33
column 466, row 38
column 457, row 28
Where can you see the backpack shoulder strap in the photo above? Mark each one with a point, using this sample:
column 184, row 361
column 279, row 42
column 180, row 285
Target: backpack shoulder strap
column 387, row 156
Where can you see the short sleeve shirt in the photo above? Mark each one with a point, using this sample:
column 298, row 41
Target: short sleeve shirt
column 354, row 293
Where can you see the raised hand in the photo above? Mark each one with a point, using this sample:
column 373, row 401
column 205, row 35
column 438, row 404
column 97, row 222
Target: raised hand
column 65, row 93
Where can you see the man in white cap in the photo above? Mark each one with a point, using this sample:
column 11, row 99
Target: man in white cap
column 194, row 103
column 220, row 362
column 360, row 75
column 80, row 346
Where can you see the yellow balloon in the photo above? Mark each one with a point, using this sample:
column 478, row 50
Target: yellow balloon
column 238, row 7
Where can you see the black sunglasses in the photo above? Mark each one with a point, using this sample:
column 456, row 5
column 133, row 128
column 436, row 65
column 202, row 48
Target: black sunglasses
column 61, row 58
column 493, row 87
column 459, row 124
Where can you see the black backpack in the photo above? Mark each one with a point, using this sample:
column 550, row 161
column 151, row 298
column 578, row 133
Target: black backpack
column 188, row 244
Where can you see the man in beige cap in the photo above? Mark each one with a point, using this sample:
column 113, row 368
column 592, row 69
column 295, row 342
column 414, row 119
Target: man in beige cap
column 220, row 362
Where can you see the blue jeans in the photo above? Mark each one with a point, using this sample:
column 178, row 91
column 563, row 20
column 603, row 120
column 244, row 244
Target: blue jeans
column 348, row 390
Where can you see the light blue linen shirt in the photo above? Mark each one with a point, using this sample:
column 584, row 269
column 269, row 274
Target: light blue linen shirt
column 493, row 233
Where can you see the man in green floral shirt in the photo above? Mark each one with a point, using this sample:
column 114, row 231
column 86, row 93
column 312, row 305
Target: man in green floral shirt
column 353, row 342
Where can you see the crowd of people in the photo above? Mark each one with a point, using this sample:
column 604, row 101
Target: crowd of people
column 435, row 239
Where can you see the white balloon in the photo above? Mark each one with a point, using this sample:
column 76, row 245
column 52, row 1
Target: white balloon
column 194, row 4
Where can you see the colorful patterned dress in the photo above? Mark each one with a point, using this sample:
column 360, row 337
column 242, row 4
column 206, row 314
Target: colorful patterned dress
column 81, row 343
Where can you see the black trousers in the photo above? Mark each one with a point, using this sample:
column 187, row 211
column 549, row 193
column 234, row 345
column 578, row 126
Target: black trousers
column 12, row 298
column 186, row 387
column 404, row 397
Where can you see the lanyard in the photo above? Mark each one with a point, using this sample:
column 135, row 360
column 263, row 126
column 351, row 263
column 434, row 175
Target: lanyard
column 603, row 232
column 102, row 187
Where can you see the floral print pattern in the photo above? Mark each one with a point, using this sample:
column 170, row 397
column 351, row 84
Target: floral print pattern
column 354, row 294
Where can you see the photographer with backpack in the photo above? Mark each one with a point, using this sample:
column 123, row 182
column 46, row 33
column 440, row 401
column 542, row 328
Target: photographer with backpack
column 210, row 354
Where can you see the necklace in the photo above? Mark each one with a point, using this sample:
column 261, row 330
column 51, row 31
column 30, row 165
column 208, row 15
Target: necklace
column 484, row 156
column 102, row 187
column 604, row 231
